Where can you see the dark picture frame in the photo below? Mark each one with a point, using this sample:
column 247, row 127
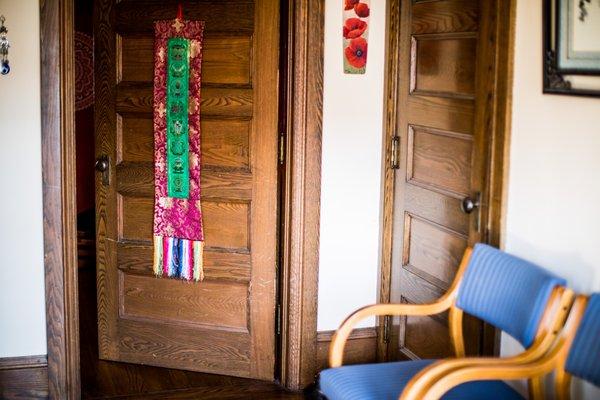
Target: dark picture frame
column 560, row 59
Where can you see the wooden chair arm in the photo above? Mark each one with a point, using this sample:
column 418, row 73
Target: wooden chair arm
column 481, row 372
column 423, row 382
column 336, row 349
column 425, row 378
column 553, row 320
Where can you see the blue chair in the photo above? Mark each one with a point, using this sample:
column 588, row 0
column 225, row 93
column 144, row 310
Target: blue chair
column 584, row 354
column 575, row 352
column 516, row 296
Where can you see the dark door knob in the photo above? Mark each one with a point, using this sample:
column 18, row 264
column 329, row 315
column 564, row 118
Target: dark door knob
column 101, row 164
column 468, row 205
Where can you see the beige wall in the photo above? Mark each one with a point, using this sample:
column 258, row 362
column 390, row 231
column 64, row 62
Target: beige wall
column 22, row 314
column 553, row 214
column 351, row 172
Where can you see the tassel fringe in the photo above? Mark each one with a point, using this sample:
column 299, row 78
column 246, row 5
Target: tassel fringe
column 178, row 258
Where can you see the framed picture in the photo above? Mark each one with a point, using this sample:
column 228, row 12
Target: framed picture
column 572, row 47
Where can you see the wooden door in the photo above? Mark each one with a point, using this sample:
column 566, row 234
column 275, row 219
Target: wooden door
column 438, row 103
column 224, row 324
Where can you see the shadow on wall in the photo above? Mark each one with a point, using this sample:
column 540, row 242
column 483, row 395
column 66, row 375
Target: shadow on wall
column 580, row 275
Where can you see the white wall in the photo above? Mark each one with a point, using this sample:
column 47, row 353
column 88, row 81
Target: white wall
column 553, row 214
column 22, row 309
column 553, row 211
column 351, row 172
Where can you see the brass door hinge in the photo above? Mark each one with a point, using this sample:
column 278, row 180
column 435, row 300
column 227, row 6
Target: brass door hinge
column 281, row 148
column 395, row 156
column 387, row 325
column 278, row 320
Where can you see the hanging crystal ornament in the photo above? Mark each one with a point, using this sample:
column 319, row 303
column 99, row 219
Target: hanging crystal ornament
column 4, row 45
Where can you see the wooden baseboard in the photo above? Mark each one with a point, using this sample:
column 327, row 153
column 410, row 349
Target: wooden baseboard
column 361, row 347
column 24, row 377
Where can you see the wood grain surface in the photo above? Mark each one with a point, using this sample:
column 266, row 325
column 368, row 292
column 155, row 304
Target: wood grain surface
column 24, row 377
column 225, row 324
column 302, row 193
column 438, row 104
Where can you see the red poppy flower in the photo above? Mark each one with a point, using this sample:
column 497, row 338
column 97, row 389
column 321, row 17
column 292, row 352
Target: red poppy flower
column 350, row 4
column 356, row 52
column 354, row 27
column 362, row 10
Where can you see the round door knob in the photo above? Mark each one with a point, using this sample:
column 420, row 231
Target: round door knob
column 468, row 205
column 101, row 164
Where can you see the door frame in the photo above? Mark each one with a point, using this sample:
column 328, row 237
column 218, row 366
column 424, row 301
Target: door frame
column 301, row 195
column 495, row 118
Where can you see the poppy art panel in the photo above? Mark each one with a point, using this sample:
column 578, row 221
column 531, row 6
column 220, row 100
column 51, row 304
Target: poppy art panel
column 356, row 34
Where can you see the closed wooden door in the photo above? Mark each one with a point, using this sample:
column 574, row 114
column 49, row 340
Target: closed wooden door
column 224, row 324
column 437, row 105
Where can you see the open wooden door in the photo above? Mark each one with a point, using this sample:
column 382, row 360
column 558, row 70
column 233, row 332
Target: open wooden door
column 226, row 323
column 440, row 124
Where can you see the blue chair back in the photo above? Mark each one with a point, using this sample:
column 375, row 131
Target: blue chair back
column 506, row 291
column 584, row 356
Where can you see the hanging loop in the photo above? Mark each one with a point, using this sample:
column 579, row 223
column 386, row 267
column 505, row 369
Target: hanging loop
column 4, row 45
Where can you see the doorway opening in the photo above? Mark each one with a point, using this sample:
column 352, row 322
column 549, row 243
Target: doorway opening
column 301, row 213
column 227, row 64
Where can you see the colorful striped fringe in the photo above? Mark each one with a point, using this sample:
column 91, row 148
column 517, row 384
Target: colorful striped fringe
column 178, row 258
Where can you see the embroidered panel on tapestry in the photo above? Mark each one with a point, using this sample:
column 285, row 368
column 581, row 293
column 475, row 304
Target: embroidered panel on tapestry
column 178, row 232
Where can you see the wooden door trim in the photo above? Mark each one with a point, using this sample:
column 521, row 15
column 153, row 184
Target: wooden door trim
column 24, row 377
column 361, row 347
column 59, row 202
column 302, row 193
column 498, row 121
column 301, row 201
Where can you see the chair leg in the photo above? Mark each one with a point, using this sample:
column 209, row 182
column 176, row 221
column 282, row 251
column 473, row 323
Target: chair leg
column 313, row 392
column 563, row 385
column 536, row 388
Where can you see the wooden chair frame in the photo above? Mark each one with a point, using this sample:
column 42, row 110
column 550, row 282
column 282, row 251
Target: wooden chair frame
column 472, row 370
column 553, row 319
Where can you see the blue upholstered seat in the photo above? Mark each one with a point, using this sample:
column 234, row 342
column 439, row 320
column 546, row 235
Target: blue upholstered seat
column 584, row 356
column 503, row 290
column 387, row 380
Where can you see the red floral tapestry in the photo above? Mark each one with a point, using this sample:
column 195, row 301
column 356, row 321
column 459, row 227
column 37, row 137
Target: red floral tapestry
column 178, row 232
column 356, row 34
column 84, row 71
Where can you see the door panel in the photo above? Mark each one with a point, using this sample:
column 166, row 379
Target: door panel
column 227, row 146
column 216, row 102
column 226, row 323
column 441, row 159
column 439, row 56
column 214, row 304
column 444, row 16
column 435, row 251
column 225, row 59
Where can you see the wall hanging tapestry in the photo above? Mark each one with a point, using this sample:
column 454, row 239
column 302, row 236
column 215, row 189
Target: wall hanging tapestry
column 84, row 71
column 356, row 34
column 178, row 233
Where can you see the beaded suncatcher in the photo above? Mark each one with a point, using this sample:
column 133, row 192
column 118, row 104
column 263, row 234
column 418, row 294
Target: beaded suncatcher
column 178, row 233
